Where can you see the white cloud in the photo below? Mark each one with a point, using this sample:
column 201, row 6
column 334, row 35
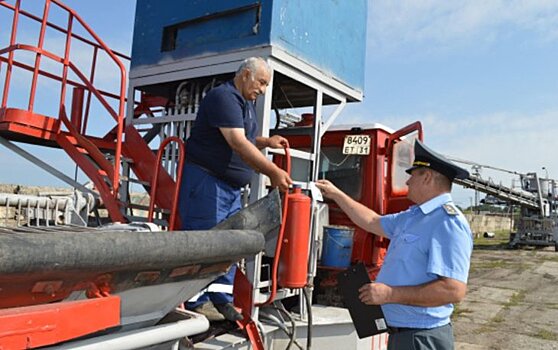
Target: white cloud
column 442, row 24
column 516, row 142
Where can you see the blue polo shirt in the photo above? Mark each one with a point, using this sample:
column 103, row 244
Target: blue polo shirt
column 222, row 107
column 427, row 241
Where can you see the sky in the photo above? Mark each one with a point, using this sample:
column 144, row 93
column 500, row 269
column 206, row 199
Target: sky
column 481, row 77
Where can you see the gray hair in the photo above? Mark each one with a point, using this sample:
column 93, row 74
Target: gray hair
column 252, row 64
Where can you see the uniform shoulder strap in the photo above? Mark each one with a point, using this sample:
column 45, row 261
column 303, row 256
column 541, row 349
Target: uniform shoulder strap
column 450, row 209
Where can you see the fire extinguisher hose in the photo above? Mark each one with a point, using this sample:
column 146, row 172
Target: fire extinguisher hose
column 275, row 268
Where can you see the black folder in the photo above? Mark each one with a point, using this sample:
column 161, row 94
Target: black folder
column 367, row 319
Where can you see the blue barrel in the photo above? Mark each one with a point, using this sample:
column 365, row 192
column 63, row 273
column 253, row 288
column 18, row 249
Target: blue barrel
column 337, row 246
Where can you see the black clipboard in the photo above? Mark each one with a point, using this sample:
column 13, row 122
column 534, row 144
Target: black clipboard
column 368, row 319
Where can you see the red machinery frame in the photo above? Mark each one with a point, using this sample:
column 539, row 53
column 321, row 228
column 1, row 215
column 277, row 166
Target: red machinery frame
column 41, row 325
column 86, row 83
column 68, row 130
column 376, row 192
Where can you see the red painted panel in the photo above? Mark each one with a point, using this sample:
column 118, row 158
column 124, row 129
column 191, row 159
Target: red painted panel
column 41, row 325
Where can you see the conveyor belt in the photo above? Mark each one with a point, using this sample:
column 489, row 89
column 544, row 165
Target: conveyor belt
column 497, row 190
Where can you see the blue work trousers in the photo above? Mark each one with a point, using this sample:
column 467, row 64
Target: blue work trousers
column 204, row 202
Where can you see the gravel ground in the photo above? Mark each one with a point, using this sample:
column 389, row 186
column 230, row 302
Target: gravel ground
column 512, row 300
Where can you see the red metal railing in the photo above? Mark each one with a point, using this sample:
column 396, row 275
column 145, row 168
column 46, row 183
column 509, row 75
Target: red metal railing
column 154, row 181
column 84, row 82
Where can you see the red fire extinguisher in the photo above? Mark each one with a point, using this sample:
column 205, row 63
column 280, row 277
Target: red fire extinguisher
column 294, row 240
column 293, row 262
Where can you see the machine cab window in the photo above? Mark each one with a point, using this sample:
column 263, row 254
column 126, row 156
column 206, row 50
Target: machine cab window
column 344, row 170
column 403, row 156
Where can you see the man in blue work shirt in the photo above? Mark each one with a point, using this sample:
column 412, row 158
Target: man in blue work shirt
column 427, row 263
column 222, row 153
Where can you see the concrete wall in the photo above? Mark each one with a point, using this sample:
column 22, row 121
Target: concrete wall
column 481, row 223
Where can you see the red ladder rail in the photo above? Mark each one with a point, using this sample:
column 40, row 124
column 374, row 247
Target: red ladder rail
column 173, row 222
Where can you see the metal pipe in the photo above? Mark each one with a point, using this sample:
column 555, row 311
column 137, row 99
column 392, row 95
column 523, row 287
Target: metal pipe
column 119, row 116
column 66, row 61
column 154, row 181
column 541, row 203
column 37, row 216
column 76, row 114
column 28, row 216
column 47, row 74
column 75, row 70
column 10, row 55
column 144, row 337
column 58, row 28
column 7, row 214
column 38, row 57
column 50, row 169
column 13, row 200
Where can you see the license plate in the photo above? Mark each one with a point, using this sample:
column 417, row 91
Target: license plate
column 357, row 144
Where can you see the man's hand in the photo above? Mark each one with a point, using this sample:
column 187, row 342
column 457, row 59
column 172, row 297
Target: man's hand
column 439, row 292
column 280, row 178
column 277, row 141
column 361, row 215
column 328, row 189
column 375, row 293
column 254, row 158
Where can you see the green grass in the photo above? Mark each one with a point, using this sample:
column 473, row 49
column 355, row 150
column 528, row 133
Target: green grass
column 492, row 324
column 485, row 328
column 497, row 319
column 546, row 335
column 498, row 264
column 500, row 240
column 459, row 311
column 515, row 299
column 549, row 257
column 493, row 264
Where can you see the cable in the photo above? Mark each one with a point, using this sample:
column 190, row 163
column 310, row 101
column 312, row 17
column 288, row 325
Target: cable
column 336, row 164
column 280, row 324
column 293, row 323
column 309, row 310
column 464, row 161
